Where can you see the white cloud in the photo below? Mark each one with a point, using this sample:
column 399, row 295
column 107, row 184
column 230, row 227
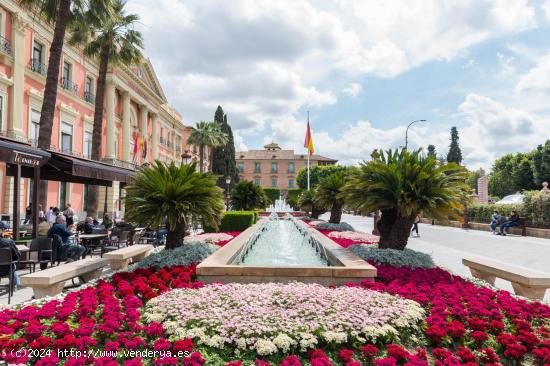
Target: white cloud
column 537, row 79
column 352, row 89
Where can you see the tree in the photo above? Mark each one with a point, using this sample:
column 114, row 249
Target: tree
column 60, row 14
column 223, row 157
column 454, row 155
column 111, row 38
column 207, row 134
column 176, row 193
column 512, row 173
column 541, row 164
column 248, row 196
column 403, row 184
column 472, row 179
column 328, row 194
column 306, row 202
column 317, row 172
column 431, row 151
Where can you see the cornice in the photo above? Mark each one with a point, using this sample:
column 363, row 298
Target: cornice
column 65, row 108
column 4, row 79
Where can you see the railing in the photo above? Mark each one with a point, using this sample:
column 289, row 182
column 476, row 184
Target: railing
column 119, row 163
column 89, row 97
column 69, row 85
column 5, row 45
column 38, row 67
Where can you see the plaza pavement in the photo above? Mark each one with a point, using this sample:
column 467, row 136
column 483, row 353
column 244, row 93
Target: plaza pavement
column 449, row 245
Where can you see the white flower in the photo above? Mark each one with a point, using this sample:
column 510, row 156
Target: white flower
column 265, row 347
column 283, row 342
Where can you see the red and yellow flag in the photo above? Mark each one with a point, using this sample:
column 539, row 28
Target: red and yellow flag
column 308, row 143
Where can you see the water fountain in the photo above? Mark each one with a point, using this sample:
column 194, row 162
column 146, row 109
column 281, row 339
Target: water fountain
column 280, row 205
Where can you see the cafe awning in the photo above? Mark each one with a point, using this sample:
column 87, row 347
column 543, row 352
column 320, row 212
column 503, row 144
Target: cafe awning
column 19, row 153
column 66, row 168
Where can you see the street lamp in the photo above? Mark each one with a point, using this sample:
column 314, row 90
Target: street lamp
column 185, row 157
column 227, row 183
column 407, row 131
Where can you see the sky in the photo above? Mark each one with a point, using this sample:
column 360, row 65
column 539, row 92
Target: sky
column 363, row 69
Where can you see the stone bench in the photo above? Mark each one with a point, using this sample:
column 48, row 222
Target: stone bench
column 50, row 282
column 120, row 258
column 526, row 282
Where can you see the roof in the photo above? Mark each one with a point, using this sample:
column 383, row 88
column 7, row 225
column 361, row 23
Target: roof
column 278, row 155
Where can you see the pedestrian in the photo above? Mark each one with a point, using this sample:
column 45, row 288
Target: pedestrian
column 28, row 213
column 69, row 214
column 15, row 255
column 415, row 226
column 495, row 219
column 40, row 211
column 49, row 214
column 512, row 221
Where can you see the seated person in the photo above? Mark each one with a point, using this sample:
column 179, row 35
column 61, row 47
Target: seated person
column 74, row 251
column 88, row 225
column 15, row 255
column 107, row 222
column 513, row 220
column 43, row 227
column 495, row 219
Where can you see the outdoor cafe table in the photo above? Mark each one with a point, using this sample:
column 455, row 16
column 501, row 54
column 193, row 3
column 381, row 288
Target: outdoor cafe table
column 88, row 239
column 24, row 250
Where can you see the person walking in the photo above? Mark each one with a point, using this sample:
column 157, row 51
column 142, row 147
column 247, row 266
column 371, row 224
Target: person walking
column 415, row 226
column 69, row 214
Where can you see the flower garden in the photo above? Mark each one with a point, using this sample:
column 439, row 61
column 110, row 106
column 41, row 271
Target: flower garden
column 414, row 314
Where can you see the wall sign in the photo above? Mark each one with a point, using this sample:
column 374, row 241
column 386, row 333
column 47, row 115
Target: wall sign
column 27, row 159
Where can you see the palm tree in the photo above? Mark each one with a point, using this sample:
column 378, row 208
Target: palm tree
column 177, row 194
column 60, row 14
column 328, row 194
column 110, row 37
column 207, row 134
column 248, row 196
column 402, row 185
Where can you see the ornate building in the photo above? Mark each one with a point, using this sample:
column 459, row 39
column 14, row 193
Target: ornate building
column 136, row 109
column 275, row 167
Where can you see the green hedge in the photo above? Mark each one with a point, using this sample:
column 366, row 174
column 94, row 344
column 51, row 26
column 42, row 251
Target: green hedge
column 536, row 208
column 235, row 221
column 272, row 194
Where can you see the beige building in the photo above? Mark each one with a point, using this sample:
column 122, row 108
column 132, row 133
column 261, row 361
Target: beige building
column 275, row 167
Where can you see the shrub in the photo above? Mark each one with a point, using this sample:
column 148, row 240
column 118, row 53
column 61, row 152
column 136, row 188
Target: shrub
column 393, row 257
column 483, row 212
column 248, row 196
column 343, row 226
column 235, row 221
column 193, row 252
column 536, row 208
column 272, row 194
column 292, row 197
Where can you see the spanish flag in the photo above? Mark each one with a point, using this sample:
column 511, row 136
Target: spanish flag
column 308, row 143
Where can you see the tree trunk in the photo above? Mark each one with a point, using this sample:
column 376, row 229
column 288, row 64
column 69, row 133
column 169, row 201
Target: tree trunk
column 335, row 213
column 201, row 158
column 174, row 239
column 50, row 90
column 394, row 229
column 315, row 212
column 93, row 191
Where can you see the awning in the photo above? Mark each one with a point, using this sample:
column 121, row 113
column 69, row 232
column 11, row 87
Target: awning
column 19, row 153
column 67, row 168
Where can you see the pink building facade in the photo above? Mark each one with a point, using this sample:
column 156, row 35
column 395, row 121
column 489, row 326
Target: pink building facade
column 136, row 109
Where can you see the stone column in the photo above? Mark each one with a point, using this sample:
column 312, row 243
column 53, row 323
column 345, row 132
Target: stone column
column 143, row 125
column 126, row 130
column 110, row 152
column 18, row 47
column 155, row 138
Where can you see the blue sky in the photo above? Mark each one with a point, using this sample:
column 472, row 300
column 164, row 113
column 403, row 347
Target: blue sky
column 364, row 70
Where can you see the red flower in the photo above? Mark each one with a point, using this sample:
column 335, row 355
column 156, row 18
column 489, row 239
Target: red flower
column 387, row 361
column 345, row 355
column 397, row 352
column 515, row 351
column 368, row 351
column 183, row 345
column 291, row 360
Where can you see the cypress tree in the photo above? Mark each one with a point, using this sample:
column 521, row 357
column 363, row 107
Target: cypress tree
column 454, row 155
column 431, row 151
column 223, row 157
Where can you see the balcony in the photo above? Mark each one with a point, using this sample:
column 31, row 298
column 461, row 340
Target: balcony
column 89, row 97
column 69, row 85
column 38, row 67
column 5, row 46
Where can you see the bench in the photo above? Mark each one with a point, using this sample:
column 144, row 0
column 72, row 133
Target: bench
column 526, row 282
column 120, row 258
column 51, row 281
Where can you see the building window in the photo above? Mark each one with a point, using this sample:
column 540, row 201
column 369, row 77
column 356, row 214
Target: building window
column 274, row 182
column 35, row 125
column 37, row 62
column 257, row 167
column 291, row 183
column 88, row 136
column 257, row 181
column 89, row 90
column 66, row 137
column 291, row 167
column 66, row 76
column 274, row 168
column 240, row 166
column 62, row 195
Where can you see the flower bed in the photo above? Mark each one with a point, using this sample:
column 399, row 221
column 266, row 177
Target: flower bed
column 294, row 316
column 213, row 238
column 464, row 324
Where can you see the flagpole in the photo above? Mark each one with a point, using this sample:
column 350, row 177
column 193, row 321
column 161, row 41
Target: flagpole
column 308, row 154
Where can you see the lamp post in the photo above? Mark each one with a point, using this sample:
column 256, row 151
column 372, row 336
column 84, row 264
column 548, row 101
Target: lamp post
column 185, row 157
column 407, row 131
column 227, row 183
